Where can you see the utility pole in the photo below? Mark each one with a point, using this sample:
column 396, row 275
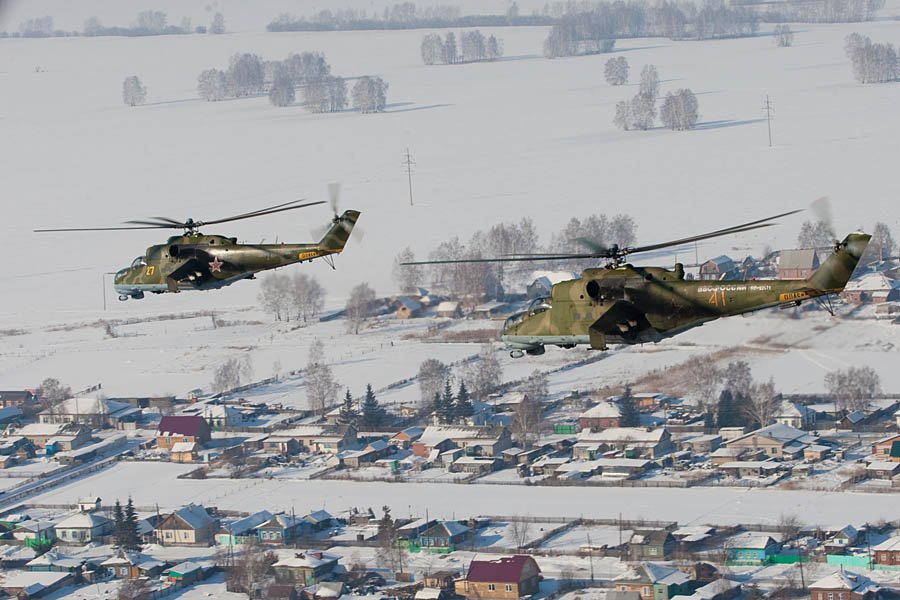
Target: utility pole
column 769, row 110
column 408, row 163
column 591, row 556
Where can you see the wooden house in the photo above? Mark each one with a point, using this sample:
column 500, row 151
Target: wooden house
column 185, row 573
column 281, row 529
column 83, row 528
column 600, row 416
column 506, row 578
column 887, row 448
column 651, row 544
column 654, row 581
column 190, row 525
column 751, row 548
column 442, row 537
column 133, row 565
column 305, row 568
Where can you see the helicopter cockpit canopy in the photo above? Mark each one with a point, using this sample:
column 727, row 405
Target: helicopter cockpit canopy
column 538, row 305
column 138, row 262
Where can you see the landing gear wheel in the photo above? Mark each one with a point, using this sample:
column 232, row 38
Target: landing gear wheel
column 516, row 354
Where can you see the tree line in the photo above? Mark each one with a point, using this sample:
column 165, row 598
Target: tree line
column 820, row 234
column 405, row 15
column 871, row 62
column 473, row 47
column 679, row 110
column 147, row 23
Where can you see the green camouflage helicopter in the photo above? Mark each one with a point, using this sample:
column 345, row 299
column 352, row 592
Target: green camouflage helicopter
column 197, row 261
column 625, row 304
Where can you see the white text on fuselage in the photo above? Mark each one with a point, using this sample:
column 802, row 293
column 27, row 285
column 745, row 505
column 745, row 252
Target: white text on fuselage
column 734, row 288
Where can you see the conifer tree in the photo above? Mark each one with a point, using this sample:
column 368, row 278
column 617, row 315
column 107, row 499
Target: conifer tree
column 463, row 408
column 372, row 413
column 447, row 405
column 131, row 535
column 349, row 415
column 118, row 524
column 630, row 415
column 437, row 406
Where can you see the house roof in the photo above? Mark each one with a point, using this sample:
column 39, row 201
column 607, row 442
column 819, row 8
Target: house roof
column 846, row 580
column 890, row 544
column 246, row 524
column 307, row 560
column 184, row 447
column 623, row 434
column 319, row 516
column 195, row 516
column 797, row 259
column 871, row 283
column 777, row 431
column 83, row 521
column 507, row 569
column 142, row 561
column 447, row 306
column 184, row 425
column 87, row 406
column 792, row 409
column 434, row 435
column 749, row 540
column 602, row 410
column 185, row 567
column 446, row 528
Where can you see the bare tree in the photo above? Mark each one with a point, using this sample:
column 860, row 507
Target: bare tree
column 217, row 26
column 485, row 374
column 853, row 388
column 817, row 234
column 212, row 85
column 762, row 403
column 251, row 566
column 783, row 36
column 307, row 296
column 738, row 378
column 520, row 528
column 369, row 94
column 703, row 382
column 151, row 21
column 275, row 296
column 649, row 86
column 325, row 94
column 432, row 49
column 432, row 375
column 282, row 91
column 881, row 246
column 133, row 93
column 231, row 373
column 52, row 391
column 616, row 71
column 525, row 424
column 321, row 388
column 407, row 277
column 790, row 526
column 246, row 74
column 134, row 589
column 871, row 62
column 359, row 306
column 679, row 110
column 624, row 118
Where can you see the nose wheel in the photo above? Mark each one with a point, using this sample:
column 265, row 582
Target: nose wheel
column 516, row 354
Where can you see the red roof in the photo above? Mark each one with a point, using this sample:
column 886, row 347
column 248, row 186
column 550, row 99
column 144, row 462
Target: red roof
column 192, row 426
column 503, row 570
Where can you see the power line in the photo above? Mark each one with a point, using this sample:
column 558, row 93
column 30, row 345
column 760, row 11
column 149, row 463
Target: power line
column 769, row 109
column 409, row 164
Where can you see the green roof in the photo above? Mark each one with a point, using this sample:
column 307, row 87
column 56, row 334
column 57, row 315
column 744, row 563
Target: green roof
column 895, row 450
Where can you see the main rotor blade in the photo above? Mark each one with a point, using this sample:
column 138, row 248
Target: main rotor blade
column 758, row 224
column 157, row 224
column 263, row 212
column 528, row 258
column 95, row 229
column 590, row 244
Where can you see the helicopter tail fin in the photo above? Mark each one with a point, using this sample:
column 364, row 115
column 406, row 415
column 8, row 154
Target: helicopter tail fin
column 337, row 235
column 836, row 271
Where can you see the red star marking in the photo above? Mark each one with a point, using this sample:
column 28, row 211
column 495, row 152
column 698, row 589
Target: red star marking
column 215, row 265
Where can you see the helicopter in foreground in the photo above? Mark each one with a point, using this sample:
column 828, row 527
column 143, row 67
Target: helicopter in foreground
column 625, row 304
column 198, row 261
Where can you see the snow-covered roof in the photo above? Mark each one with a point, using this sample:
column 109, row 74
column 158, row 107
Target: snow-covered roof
column 882, row 465
column 33, row 581
column 889, row 544
column 447, row 306
column 872, row 282
column 319, row 516
column 435, row 434
column 184, row 447
column 776, row 431
column 195, row 516
column 246, row 524
column 749, row 539
column 846, row 580
column 86, row 406
column 623, row 434
column 307, row 560
column 602, row 410
column 792, row 409
column 797, row 259
column 83, row 521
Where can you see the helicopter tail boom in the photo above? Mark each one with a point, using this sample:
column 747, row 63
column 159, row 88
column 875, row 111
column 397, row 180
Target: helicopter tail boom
column 836, row 271
column 337, row 235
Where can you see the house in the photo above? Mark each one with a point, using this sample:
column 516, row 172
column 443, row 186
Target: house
column 887, row 449
column 651, row 544
column 184, row 452
column 750, row 468
column 284, row 445
column 30, row 584
column 853, row 420
column 507, row 578
column 750, row 548
column 16, row 398
column 797, row 264
column 56, row 436
column 726, row 455
column 876, row 288
column 242, row 531
column 882, row 469
column 407, row 308
column 718, row 268
column 10, row 414
column 476, row 464
column 404, row 439
column 840, row 540
column 83, row 528
column 370, row 453
column 774, row 441
column 887, row 552
column 717, row 589
column 190, row 525
column 35, row 533
column 442, row 537
column 475, row 441
column 182, row 429
column 795, row 415
column 442, row 580
column 319, row 520
column 305, row 568
column 220, row 417
column 448, row 309
column 654, row 581
column 89, row 503
column 844, row 585
column 96, row 413
column 185, row 573
column 600, row 416
column 322, row 438
column 133, row 565
column 700, row 443
column 412, row 529
column 636, row 442
column 54, row 562
column 816, row 452
column 281, row 529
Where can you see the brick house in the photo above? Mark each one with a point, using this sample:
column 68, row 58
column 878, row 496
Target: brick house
column 507, row 578
column 844, row 585
column 888, row 552
column 15, row 398
column 182, row 429
column 601, row 416
column 797, row 264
